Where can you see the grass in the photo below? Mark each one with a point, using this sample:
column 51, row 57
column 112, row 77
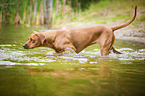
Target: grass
column 111, row 11
column 142, row 18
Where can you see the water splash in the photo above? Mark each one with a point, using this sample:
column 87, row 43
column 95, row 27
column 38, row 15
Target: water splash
column 40, row 56
column 129, row 54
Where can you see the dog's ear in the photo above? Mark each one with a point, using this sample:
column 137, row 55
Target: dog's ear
column 34, row 32
column 41, row 37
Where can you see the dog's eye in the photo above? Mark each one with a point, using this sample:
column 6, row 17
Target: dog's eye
column 32, row 40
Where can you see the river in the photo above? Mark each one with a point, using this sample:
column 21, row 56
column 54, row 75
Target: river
column 40, row 72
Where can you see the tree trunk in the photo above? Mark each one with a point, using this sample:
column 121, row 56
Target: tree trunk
column 45, row 12
column 35, row 10
column 1, row 16
column 50, row 3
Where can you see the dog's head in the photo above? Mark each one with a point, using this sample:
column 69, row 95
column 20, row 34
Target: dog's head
column 35, row 40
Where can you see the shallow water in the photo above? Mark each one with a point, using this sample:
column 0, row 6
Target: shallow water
column 39, row 72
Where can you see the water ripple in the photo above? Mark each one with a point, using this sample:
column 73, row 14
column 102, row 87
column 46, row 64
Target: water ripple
column 42, row 55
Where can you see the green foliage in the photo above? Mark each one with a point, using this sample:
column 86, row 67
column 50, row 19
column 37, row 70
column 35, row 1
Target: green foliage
column 142, row 18
column 111, row 11
column 32, row 12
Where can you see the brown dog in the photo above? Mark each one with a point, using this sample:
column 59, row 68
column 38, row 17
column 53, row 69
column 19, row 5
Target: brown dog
column 63, row 41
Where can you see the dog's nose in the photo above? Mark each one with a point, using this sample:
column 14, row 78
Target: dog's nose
column 24, row 45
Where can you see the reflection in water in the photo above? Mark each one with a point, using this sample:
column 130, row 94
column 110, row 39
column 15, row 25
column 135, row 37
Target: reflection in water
column 105, row 69
column 40, row 72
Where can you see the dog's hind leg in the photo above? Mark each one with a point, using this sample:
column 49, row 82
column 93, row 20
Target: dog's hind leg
column 105, row 50
column 105, row 47
column 106, row 43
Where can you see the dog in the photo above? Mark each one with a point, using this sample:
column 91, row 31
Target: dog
column 64, row 41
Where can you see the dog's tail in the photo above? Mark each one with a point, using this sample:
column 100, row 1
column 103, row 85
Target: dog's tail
column 124, row 25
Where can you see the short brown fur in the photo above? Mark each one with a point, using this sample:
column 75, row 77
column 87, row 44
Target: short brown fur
column 63, row 41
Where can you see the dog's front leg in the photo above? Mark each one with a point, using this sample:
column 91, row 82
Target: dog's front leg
column 61, row 53
column 66, row 51
column 63, row 45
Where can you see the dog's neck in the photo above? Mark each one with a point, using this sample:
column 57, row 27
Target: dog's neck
column 49, row 35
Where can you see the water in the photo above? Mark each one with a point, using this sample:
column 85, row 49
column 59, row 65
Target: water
column 40, row 72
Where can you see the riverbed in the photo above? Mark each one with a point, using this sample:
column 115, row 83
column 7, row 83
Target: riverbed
column 40, row 72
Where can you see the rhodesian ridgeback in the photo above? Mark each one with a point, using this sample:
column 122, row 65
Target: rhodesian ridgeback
column 64, row 41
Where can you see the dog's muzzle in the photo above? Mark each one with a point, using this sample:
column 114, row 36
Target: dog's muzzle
column 24, row 46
